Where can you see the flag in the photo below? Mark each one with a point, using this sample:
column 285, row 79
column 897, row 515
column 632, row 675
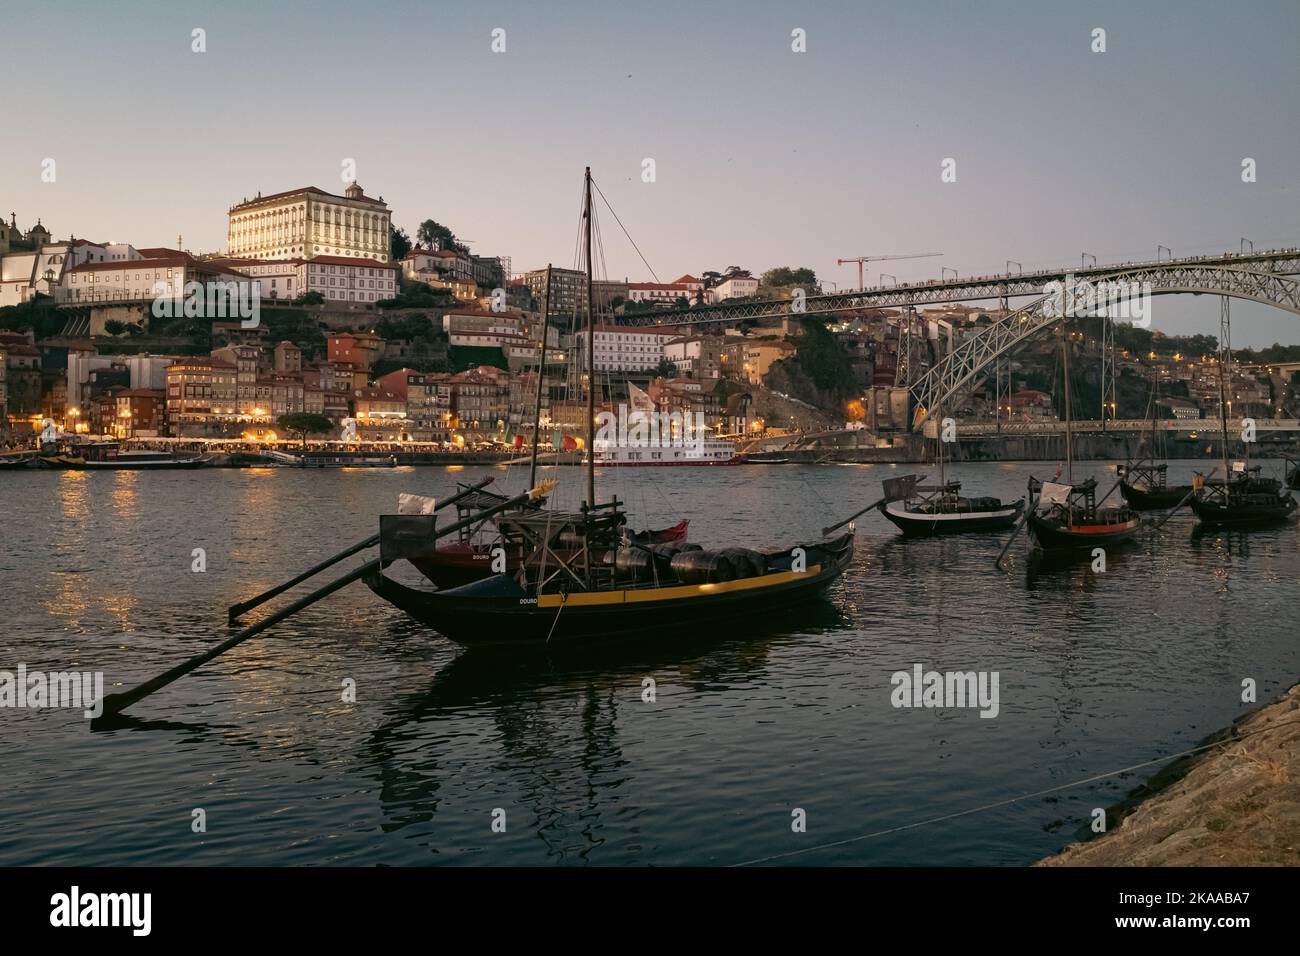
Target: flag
column 569, row 443
column 519, row 441
column 638, row 399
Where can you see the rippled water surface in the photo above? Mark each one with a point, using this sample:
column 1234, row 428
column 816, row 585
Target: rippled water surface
column 1097, row 671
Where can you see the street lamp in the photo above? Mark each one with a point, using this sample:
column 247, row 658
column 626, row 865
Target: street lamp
column 944, row 270
column 1020, row 270
column 882, row 279
column 1166, row 249
column 1243, row 243
column 1087, row 255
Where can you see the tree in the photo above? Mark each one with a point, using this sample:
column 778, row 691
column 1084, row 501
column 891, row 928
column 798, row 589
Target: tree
column 399, row 243
column 801, row 277
column 114, row 327
column 310, row 298
column 431, row 232
column 305, row 423
column 666, row 369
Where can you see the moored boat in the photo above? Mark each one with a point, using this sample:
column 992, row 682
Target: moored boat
column 1144, row 487
column 942, row 509
column 1068, row 518
column 1248, row 500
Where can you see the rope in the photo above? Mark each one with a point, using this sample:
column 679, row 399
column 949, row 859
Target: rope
column 1026, row 796
column 624, row 228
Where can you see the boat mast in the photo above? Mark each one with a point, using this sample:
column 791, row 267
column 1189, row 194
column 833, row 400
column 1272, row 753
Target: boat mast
column 1224, row 352
column 1065, row 374
column 591, row 356
column 541, row 374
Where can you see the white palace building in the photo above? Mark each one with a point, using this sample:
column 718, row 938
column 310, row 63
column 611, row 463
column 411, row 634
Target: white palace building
column 309, row 222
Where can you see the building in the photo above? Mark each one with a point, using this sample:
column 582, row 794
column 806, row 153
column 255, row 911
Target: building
column 201, row 396
column 357, row 349
column 287, row 358
column 481, row 398
column 132, row 413
column 568, row 294
column 309, row 222
column 427, row 419
column 625, row 348
column 380, row 414
column 697, row 357
column 750, row 360
column 735, row 287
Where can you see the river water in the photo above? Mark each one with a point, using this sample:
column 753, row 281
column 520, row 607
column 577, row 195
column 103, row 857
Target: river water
column 1097, row 671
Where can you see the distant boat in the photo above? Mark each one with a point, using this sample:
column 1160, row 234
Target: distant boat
column 767, row 458
column 708, row 451
column 21, row 460
column 109, row 458
column 1244, row 499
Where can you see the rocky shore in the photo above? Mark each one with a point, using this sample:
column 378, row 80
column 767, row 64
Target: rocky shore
column 1236, row 804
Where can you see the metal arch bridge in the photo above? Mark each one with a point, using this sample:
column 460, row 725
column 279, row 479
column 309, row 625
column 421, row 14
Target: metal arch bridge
column 962, row 367
column 991, row 287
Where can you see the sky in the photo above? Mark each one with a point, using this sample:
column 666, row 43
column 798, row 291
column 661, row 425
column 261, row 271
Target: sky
column 763, row 156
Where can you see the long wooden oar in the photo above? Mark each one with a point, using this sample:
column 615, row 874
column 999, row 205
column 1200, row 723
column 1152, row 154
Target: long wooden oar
column 870, row 507
column 234, row 612
column 116, row 703
column 1015, row 532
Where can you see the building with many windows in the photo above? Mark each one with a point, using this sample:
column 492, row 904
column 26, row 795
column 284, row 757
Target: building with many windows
column 619, row 348
column 309, row 222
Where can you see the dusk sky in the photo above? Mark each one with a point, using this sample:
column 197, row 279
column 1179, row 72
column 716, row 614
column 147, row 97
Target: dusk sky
column 763, row 156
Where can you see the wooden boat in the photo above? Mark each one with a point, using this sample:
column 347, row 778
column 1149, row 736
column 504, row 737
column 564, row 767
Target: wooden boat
column 941, row 509
column 542, row 609
column 1145, row 488
column 1246, row 501
column 924, row 510
column 1293, row 474
column 578, row 575
column 1068, row 518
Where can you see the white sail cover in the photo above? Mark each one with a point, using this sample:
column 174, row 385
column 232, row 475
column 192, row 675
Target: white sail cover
column 1054, row 494
column 415, row 504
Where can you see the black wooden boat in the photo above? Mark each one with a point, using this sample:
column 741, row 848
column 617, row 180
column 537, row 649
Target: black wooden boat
column 1068, row 518
column 1248, row 500
column 1145, row 487
column 941, row 509
column 502, row 609
column 579, row 576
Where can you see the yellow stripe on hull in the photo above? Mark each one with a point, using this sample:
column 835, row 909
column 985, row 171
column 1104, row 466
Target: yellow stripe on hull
column 595, row 598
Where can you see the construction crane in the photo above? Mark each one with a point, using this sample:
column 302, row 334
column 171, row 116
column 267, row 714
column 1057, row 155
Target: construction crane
column 863, row 260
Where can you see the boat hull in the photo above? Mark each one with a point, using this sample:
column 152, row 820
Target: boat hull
column 918, row 524
column 1244, row 516
column 497, row 611
column 1051, row 536
column 1145, row 499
